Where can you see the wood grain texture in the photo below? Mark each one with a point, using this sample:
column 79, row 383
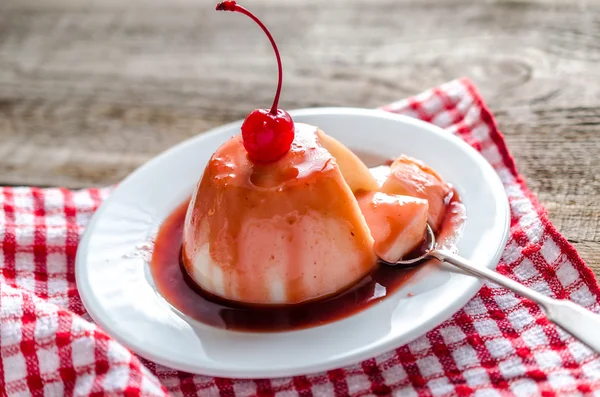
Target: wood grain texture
column 90, row 90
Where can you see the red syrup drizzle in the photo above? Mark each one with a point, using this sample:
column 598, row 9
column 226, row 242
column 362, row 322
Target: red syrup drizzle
column 173, row 283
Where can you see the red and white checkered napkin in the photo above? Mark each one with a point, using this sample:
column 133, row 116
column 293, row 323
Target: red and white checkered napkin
column 498, row 344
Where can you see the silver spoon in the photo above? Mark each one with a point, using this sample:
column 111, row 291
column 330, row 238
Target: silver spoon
column 579, row 322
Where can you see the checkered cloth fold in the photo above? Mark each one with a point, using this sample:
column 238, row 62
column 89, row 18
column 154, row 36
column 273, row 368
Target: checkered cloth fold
column 498, row 344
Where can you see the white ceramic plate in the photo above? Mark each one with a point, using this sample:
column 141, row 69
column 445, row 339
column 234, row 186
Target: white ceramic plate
column 118, row 291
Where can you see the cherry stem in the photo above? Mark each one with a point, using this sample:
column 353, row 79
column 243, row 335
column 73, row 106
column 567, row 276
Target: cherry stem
column 231, row 5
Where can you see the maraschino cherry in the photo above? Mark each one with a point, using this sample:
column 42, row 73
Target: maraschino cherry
column 267, row 134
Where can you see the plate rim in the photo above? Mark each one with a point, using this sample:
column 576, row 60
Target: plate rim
column 428, row 325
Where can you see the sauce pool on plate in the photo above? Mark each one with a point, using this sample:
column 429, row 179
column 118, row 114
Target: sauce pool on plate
column 183, row 294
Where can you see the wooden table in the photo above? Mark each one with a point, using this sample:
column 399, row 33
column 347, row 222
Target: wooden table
column 90, row 90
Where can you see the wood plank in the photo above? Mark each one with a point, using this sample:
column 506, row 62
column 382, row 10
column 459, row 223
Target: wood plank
column 90, row 90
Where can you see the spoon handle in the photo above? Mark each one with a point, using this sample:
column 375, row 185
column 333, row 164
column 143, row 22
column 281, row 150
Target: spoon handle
column 579, row 322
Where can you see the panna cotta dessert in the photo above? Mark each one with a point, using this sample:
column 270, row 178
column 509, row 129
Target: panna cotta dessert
column 285, row 214
column 277, row 233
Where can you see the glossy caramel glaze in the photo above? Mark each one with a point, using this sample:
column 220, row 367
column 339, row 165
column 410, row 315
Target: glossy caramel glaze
column 283, row 232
